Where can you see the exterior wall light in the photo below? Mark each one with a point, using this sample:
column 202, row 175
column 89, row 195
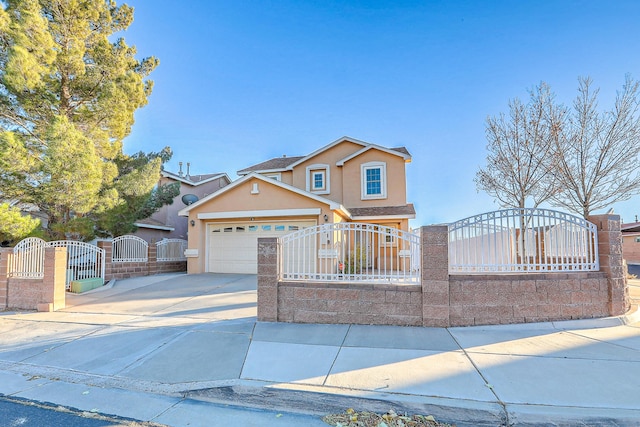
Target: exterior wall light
column 193, row 223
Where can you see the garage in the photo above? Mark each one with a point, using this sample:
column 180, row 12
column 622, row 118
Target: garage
column 233, row 247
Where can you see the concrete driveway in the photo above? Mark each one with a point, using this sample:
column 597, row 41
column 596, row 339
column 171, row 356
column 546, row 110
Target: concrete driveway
column 198, row 296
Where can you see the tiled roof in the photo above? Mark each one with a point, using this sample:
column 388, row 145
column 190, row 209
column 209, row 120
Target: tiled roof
column 195, row 179
column 407, row 209
column 276, row 163
column 630, row 228
column 402, row 150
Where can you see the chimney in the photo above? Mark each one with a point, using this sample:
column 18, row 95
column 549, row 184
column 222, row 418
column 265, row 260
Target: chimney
column 188, row 166
column 180, row 171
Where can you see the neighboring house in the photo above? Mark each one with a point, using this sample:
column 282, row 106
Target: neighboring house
column 345, row 181
column 631, row 242
column 165, row 223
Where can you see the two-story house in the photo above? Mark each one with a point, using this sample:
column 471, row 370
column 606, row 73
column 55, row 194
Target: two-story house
column 166, row 223
column 345, row 181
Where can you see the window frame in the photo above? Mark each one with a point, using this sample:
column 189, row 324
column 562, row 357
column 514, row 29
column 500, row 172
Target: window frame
column 382, row 166
column 311, row 171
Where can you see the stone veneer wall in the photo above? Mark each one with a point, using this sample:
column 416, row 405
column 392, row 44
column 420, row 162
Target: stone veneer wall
column 525, row 298
column 350, row 303
column 444, row 300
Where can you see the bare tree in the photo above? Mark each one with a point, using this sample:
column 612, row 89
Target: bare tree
column 597, row 152
column 521, row 150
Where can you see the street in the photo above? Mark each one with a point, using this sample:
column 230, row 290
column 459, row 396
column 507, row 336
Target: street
column 27, row 413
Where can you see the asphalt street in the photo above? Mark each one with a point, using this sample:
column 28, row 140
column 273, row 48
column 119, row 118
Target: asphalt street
column 28, row 413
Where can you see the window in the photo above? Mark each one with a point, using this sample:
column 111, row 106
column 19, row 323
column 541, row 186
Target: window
column 276, row 176
column 318, row 179
column 374, row 180
column 638, row 239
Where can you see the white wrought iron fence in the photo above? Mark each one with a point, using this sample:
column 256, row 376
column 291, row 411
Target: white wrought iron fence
column 130, row 248
column 350, row 252
column 84, row 260
column 27, row 260
column 171, row 250
column 522, row 240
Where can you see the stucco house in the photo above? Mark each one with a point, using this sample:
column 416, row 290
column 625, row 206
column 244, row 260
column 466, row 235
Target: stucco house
column 166, row 223
column 347, row 180
column 631, row 242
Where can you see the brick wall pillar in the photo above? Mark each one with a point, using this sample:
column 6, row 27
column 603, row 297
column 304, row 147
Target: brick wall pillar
column 107, row 245
column 4, row 276
column 54, row 281
column 611, row 261
column 268, row 279
column 435, row 275
column 152, row 260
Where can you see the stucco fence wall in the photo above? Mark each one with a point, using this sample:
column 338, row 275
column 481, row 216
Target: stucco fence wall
column 125, row 270
column 443, row 300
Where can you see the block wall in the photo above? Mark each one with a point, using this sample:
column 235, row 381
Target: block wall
column 125, row 270
column 444, row 300
column 46, row 294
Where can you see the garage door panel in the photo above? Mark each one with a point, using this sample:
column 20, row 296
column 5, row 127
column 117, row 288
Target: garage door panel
column 233, row 248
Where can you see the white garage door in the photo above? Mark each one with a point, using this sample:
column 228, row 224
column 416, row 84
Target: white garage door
column 233, row 247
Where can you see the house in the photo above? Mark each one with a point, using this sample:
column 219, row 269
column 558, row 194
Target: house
column 631, row 242
column 347, row 180
column 166, row 223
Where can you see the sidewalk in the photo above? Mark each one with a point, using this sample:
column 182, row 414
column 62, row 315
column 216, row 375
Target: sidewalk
column 186, row 350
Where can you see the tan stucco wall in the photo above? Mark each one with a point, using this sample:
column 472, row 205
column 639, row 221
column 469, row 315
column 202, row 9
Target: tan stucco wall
column 631, row 249
column 345, row 181
column 270, row 197
column 328, row 157
column 396, row 182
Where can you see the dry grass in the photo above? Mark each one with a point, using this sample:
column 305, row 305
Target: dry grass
column 351, row 418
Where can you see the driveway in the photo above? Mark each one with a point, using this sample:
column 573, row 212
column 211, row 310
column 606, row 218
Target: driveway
column 194, row 298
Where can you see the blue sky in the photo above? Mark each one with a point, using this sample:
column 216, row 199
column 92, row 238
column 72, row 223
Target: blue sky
column 240, row 81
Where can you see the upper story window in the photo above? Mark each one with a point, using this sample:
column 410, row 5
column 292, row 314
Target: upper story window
column 638, row 239
column 374, row 180
column 318, row 179
column 276, row 176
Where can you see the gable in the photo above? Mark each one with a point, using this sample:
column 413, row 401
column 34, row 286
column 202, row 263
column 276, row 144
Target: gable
column 254, row 191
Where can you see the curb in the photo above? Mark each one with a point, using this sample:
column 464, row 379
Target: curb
column 320, row 404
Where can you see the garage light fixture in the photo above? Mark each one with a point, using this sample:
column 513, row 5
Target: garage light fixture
column 193, row 223
column 326, row 217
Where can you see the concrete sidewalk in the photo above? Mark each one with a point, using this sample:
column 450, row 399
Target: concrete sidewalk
column 187, row 350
